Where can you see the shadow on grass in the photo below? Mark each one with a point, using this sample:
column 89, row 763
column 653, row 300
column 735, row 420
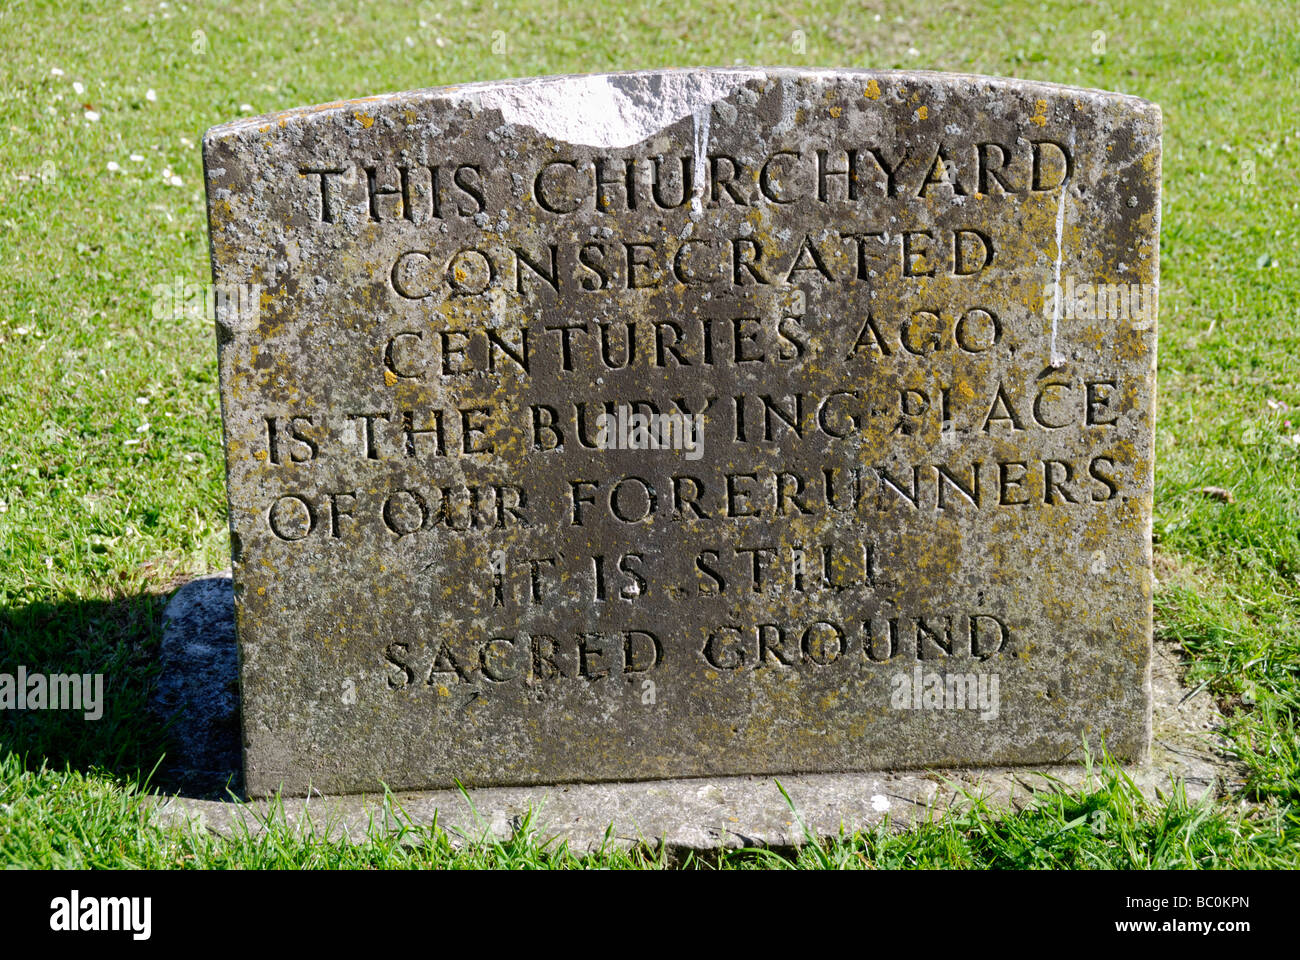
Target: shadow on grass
column 170, row 710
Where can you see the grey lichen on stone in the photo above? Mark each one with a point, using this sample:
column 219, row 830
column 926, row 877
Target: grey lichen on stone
column 913, row 313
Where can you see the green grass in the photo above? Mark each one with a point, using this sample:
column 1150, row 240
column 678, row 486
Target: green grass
column 111, row 482
column 74, row 820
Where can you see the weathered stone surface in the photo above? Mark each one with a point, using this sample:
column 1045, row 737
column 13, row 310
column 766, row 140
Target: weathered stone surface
column 198, row 688
column 918, row 457
column 699, row 814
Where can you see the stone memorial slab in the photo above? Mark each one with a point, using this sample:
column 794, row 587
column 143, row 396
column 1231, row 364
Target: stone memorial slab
column 688, row 423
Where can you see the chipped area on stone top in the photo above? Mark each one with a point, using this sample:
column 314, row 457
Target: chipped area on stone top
column 1005, row 450
column 621, row 109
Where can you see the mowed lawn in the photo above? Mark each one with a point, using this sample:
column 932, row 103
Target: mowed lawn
column 111, row 470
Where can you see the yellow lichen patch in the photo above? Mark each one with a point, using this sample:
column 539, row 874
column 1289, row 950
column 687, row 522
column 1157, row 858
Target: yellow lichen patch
column 365, row 120
column 873, row 90
column 922, row 112
column 1040, row 113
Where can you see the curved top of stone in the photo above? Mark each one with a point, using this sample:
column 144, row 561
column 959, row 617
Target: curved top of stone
column 615, row 110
